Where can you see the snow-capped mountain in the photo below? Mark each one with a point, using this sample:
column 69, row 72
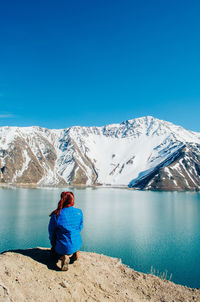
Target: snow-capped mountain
column 143, row 153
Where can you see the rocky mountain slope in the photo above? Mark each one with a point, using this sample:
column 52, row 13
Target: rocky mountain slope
column 28, row 275
column 143, row 153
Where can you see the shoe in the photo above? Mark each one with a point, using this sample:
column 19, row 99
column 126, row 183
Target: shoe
column 64, row 263
column 74, row 257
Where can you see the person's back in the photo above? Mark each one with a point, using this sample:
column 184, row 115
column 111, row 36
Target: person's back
column 65, row 226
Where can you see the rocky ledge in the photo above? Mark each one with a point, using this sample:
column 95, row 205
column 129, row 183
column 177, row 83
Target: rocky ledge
column 29, row 275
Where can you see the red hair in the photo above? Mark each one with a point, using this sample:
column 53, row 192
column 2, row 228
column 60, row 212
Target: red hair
column 66, row 201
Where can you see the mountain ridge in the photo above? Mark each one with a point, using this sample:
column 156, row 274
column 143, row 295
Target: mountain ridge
column 143, row 153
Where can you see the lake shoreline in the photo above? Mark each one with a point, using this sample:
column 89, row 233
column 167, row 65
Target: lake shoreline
column 83, row 186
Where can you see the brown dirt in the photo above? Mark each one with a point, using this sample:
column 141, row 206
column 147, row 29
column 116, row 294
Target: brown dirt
column 29, row 275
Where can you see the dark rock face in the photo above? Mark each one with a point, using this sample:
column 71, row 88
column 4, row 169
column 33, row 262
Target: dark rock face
column 15, row 159
column 22, row 165
column 182, row 174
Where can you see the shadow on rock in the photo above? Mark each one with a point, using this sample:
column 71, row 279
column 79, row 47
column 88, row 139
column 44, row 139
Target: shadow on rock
column 43, row 256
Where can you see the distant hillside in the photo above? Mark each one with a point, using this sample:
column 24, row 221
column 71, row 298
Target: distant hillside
column 143, row 153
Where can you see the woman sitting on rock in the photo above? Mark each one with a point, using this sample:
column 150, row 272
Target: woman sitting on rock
column 65, row 225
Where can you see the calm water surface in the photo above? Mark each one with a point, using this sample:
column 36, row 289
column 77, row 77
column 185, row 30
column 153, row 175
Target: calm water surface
column 143, row 228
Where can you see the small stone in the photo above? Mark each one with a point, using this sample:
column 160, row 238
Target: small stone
column 8, row 273
column 63, row 284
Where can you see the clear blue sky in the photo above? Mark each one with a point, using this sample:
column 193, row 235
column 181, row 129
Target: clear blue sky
column 81, row 62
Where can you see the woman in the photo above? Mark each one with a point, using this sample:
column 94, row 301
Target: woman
column 65, row 226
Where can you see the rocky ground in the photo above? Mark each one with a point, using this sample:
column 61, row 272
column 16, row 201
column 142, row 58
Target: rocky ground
column 29, row 275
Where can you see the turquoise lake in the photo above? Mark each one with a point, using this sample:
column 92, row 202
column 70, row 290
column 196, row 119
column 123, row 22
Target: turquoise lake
column 144, row 229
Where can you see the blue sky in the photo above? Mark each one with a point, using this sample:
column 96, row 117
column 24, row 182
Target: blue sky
column 65, row 63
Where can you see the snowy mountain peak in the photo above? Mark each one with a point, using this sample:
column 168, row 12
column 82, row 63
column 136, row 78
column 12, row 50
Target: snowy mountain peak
column 143, row 152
